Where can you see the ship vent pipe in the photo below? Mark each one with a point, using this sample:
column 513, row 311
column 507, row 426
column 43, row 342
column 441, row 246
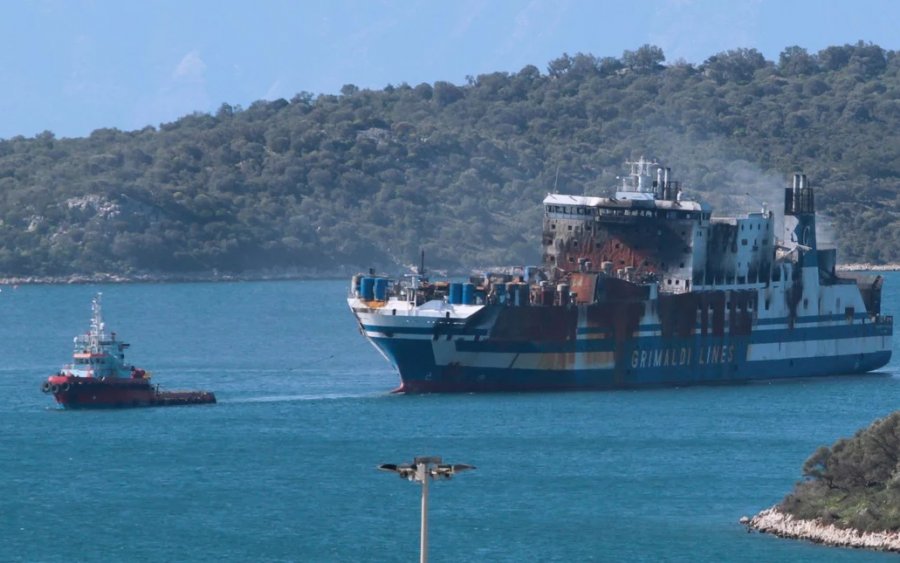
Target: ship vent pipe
column 667, row 188
column 796, row 203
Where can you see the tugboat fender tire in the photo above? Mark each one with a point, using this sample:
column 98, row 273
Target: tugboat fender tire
column 65, row 387
column 46, row 387
column 54, row 388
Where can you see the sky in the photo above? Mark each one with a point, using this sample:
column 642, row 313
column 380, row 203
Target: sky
column 72, row 66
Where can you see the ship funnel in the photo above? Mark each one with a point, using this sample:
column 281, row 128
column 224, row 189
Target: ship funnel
column 792, row 196
column 799, row 205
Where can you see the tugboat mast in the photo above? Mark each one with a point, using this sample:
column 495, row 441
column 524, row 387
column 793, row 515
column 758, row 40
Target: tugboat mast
column 96, row 336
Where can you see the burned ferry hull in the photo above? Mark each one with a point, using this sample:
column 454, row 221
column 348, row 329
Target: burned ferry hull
column 694, row 301
column 476, row 357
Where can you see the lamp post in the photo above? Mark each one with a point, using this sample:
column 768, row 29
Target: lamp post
column 421, row 470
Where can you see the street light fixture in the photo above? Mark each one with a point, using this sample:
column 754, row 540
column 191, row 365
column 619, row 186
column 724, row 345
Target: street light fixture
column 421, row 470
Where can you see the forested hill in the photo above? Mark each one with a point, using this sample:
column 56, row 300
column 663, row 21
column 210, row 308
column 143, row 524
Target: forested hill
column 367, row 178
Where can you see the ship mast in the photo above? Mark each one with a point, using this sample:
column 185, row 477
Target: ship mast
column 640, row 170
column 96, row 335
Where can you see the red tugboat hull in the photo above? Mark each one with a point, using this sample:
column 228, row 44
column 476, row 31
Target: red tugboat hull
column 74, row 392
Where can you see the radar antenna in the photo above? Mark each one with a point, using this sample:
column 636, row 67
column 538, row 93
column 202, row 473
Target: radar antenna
column 640, row 170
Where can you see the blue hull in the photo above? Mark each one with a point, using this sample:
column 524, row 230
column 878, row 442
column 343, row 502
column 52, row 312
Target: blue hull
column 641, row 362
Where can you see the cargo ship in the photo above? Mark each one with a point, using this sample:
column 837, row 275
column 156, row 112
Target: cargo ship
column 98, row 376
column 641, row 288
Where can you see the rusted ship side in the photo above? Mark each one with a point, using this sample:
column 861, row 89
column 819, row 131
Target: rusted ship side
column 640, row 288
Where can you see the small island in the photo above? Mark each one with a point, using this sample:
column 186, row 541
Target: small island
column 850, row 496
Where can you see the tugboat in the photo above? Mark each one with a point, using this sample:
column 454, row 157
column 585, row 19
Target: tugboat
column 99, row 377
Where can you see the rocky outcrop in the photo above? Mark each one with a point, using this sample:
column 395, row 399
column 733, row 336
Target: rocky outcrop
column 773, row 521
column 867, row 267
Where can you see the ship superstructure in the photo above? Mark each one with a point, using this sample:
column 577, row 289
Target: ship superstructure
column 644, row 287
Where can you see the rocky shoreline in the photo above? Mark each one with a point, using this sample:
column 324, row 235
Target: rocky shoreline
column 177, row 278
column 772, row 521
column 274, row 275
column 865, row 267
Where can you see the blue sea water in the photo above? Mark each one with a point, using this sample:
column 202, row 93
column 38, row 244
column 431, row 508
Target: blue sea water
column 283, row 468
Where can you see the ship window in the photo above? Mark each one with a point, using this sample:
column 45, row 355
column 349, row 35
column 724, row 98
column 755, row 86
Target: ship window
column 570, row 227
column 677, row 282
column 617, row 245
column 806, row 303
column 767, row 304
column 574, row 243
column 669, row 281
column 681, row 265
column 744, row 242
column 699, row 234
column 553, row 226
column 742, row 226
column 572, row 259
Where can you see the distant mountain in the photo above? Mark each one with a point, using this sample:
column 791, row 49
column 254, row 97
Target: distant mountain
column 367, row 178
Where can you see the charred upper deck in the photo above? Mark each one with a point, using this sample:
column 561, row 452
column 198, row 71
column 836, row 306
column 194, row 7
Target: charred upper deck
column 647, row 232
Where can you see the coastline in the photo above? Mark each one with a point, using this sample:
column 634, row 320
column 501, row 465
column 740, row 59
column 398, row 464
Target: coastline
column 296, row 275
column 866, row 267
column 285, row 275
column 773, row 521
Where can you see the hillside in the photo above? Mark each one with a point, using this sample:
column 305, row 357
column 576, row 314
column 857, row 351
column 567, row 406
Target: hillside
column 855, row 483
column 850, row 495
column 367, row 178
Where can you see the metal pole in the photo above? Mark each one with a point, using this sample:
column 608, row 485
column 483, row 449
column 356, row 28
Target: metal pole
column 421, row 470
column 423, row 543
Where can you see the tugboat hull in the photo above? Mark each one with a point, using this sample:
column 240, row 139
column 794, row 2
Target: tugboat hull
column 73, row 392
